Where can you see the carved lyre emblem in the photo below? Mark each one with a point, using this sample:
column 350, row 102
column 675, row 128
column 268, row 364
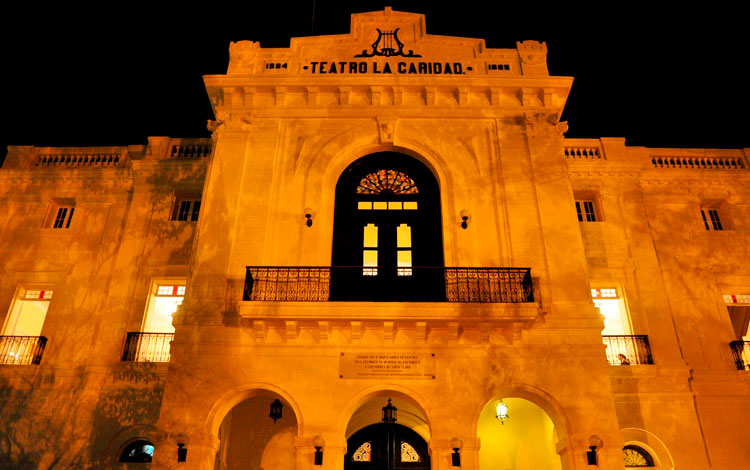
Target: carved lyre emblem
column 387, row 48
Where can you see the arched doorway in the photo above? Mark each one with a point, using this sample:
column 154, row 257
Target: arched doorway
column 388, row 431
column 386, row 446
column 525, row 440
column 251, row 438
column 387, row 236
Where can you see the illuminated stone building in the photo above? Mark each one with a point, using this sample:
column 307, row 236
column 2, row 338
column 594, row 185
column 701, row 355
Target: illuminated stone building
column 381, row 217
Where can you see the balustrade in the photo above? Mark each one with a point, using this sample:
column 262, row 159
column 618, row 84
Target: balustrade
column 313, row 284
column 147, row 347
column 22, row 349
column 625, row 350
column 741, row 353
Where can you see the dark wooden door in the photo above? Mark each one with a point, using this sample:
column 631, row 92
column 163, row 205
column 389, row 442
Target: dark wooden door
column 385, row 446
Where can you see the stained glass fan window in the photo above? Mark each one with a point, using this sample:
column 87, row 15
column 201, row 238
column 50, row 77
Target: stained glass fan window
column 636, row 457
column 388, row 182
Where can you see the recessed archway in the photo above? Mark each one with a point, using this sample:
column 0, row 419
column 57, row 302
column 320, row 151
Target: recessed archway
column 251, row 435
column 387, row 237
column 375, row 442
column 525, row 440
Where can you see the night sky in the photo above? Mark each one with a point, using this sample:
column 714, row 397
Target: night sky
column 94, row 76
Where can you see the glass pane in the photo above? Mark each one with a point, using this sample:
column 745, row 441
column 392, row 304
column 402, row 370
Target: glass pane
column 196, row 211
column 184, row 210
column 382, row 205
column 370, row 262
column 371, row 236
column 363, row 453
column 408, row 453
column 394, row 205
column 410, row 205
column 404, row 263
column 403, row 236
column 364, row 205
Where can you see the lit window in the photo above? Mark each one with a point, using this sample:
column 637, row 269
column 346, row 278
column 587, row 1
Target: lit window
column 138, row 452
column 363, row 453
column 21, row 341
column 585, row 211
column 408, row 453
column 186, row 210
column 162, row 305
column 370, row 253
column 737, row 298
column 711, row 219
column 612, row 307
column 28, row 312
column 403, row 245
column 636, row 457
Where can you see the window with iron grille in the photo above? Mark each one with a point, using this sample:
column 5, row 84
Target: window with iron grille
column 27, row 313
column 186, row 210
column 60, row 214
column 711, row 219
column 586, row 211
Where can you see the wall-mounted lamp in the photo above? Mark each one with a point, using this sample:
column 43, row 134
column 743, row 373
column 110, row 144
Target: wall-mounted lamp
column 456, row 456
column 308, row 216
column 318, row 443
column 276, row 408
column 591, row 456
column 464, row 219
column 181, row 452
column 501, row 411
column 595, row 442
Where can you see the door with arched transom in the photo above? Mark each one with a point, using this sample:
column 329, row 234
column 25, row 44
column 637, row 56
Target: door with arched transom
column 387, row 237
column 386, row 446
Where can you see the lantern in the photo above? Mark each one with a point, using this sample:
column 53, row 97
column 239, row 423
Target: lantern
column 501, row 411
column 389, row 413
column 276, row 407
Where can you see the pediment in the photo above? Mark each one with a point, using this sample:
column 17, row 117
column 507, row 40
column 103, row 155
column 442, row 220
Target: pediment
column 387, row 42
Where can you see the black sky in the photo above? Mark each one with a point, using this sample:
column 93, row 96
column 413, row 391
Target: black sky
column 658, row 74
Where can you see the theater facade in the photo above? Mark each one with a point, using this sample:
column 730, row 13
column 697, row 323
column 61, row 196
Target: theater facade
column 387, row 256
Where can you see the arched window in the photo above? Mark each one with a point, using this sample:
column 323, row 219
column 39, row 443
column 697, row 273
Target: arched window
column 636, row 457
column 387, row 237
column 137, row 451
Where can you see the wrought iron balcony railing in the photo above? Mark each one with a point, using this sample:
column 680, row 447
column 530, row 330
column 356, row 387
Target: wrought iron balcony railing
column 741, row 353
column 147, row 347
column 624, row 350
column 21, row 349
column 415, row 284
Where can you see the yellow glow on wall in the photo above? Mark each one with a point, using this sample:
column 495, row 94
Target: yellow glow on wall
column 524, row 442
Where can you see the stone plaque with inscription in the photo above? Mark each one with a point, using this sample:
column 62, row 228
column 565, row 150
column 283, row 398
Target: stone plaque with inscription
column 373, row 365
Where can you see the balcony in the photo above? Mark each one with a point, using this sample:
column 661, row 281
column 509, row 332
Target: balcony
column 741, row 353
column 624, row 350
column 21, row 350
column 412, row 284
column 147, row 347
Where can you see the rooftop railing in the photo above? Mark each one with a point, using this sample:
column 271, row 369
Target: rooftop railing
column 437, row 284
column 22, row 349
column 147, row 347
column 741, row 353
column 625, row 350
